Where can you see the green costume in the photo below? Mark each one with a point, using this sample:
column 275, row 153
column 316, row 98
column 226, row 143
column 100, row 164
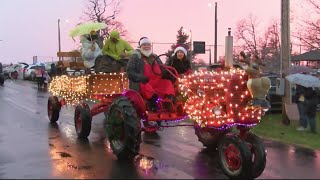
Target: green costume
column 115, row 50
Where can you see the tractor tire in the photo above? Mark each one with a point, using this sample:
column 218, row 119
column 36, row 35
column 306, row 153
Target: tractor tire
column 53, row 108
column 123, row 129
column 235, row 157
column 209, row 137
column 82, row 120
column 259, row 154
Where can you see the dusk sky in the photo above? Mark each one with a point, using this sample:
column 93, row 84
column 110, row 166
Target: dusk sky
column 29, row 28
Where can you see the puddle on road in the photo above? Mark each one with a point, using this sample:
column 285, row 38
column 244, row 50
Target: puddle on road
column 146, row 165
column 64, row 154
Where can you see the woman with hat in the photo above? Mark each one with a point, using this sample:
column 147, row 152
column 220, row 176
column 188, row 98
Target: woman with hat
column 180, row 61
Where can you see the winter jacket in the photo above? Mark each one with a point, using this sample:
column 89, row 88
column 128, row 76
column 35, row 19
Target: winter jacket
column 115, row 50
column 311, row 102
column 300, row 90
column 87, row 54
column 135, row 69
column 182, row 66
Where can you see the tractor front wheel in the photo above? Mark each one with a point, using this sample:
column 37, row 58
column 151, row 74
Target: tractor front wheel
column 82, row 120
column 259, row 154
column 123, row 129
column 235, row 157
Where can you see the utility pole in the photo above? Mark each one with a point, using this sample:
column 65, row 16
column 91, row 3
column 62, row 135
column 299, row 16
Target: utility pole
column 285, row 55
column 59, row 40
column 215, row 33
column 209, row 54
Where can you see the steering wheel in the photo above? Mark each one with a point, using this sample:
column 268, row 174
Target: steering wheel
column 170, row 69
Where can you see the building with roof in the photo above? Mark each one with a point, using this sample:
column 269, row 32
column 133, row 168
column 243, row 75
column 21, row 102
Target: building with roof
column 310, row 59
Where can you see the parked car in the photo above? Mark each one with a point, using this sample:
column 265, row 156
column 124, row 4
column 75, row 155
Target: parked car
column 9, row 70
column 29, row 72
column 274, row 99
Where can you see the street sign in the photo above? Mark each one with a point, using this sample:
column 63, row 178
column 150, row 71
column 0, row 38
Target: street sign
column 199, row 47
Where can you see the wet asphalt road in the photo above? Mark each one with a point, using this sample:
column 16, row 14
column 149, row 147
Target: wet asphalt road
column 31, row 147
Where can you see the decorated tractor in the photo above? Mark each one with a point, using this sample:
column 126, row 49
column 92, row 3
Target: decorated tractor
column 225, row 98
column 216, row 101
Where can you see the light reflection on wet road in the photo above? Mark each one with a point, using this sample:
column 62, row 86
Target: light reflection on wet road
column 31, row 147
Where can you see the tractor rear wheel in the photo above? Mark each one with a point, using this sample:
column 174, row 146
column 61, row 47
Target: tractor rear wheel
column 82, row 120
column 123, row 129
column 53, row 108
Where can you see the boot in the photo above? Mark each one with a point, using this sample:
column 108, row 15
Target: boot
column 153, row 103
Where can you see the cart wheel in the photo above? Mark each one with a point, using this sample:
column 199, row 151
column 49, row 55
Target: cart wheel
column 123, row 129
column 235, row 157
column 259, row 154
column 209, row 137
column 82, row 120
column 53, row 108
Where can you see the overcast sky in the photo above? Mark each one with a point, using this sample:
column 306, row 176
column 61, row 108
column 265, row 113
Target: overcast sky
column 29, row 27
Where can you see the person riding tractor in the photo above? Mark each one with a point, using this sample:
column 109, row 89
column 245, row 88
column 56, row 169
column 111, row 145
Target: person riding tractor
column 116, row 53
column 147, row 76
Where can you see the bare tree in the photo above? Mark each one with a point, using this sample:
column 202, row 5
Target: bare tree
column 104, row 11
column 246, row 34
column 309, row 28
column 266, row 45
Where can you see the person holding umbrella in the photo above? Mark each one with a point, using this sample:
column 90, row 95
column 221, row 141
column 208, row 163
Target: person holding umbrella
column 306, row 98
column 300, row 100
column 311, row 108
column 91, row 45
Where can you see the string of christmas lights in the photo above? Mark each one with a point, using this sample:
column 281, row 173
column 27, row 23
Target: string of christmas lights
column 219, row 98
column 94, row 87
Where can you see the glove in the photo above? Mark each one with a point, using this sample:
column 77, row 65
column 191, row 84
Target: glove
column 144, row 79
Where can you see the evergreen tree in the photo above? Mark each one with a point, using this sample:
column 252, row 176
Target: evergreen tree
column 182, row 40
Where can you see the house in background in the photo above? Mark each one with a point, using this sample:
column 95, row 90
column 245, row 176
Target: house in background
column 310, row 59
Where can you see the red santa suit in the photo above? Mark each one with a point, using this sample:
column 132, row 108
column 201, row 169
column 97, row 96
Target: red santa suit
column 156, row 84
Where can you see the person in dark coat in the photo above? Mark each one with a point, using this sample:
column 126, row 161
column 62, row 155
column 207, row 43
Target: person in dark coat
column 311, row 108
column 180, row 61
column 300, row 100
column 53, row 70
column 145, row 75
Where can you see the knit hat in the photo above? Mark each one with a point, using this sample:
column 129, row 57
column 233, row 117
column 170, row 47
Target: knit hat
column 180, row 48
column 144, row 40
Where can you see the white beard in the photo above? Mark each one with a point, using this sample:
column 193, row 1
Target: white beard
column 146, row 52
